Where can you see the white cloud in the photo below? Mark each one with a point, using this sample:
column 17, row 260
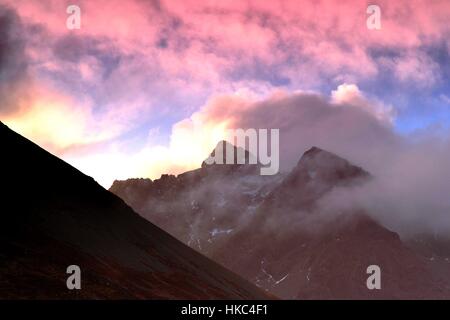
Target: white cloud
column 445, row 98
column 349, row 94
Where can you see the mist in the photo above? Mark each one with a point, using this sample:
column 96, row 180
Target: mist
column 409, row 191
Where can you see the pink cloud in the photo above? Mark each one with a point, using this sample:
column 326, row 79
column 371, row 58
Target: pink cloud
column 330, row 35
column 171, row 53
column 349, row 94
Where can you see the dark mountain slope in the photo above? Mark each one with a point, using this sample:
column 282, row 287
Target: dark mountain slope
column 53, row 216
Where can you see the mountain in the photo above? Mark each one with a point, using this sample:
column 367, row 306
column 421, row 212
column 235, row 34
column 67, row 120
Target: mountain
column 275, row 232
column 240, row 160
column 200, row 207
column 54, row 216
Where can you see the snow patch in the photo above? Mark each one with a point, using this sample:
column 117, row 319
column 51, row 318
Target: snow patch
column 282, row 279
column 217, row 231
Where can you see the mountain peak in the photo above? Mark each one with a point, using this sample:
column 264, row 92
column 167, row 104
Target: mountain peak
column 318, row 156
column 225, row 142
column 313, row 151
column 240, row 155
column 318, row 161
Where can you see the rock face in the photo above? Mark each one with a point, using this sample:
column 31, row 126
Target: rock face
column 54, row 216
column 272, row 231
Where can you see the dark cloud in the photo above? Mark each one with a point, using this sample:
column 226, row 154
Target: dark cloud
column 13, row 62
column 71, row 48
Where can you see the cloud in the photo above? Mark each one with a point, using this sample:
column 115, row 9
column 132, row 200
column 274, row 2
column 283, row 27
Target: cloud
column 347, row 122
column 208, row 66
column 57, row 122
column 13, row 63
column 303, row 118
column 284, row 43
column 351, row 95
column 418, row 68
column 409, row 192
column 133, row 61
column 445, row 98
column 411, row 178
column 59, row 91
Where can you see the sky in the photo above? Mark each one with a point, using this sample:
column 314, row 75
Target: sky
column 149, row 87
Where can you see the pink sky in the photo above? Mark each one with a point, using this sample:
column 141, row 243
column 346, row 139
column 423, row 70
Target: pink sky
column 145, row 69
